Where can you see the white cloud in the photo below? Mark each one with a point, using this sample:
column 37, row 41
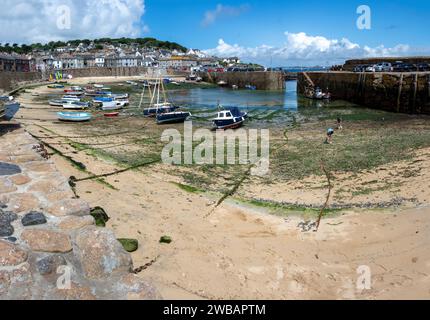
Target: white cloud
column 28, row 21
column 222, row 11
column 303, row 49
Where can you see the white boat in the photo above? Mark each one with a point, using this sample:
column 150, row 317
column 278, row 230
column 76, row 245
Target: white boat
column 57, row 102
column 75, row 105
column 119, row 96
column 74, row 116
column 111, row 106
column 71, row 98
column 99, row 86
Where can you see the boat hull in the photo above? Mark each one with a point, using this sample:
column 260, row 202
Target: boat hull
column 228, row 124
column 172, row 117
column 8, row 111
column 74, row 117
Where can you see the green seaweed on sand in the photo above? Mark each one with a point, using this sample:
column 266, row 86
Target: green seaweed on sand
column 100, row 216
column 129, row 245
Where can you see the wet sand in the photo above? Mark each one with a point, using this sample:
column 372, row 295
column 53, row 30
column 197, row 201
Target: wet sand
column 242, row 252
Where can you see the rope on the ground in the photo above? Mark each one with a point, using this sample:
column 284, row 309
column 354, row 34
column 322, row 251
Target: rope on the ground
column 330, row 187
column 231, row 192
column 93, row 177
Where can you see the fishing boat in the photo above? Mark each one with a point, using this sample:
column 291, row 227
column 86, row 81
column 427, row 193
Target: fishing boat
column 111, row 114
column 8, row 108
column 74, row 116
column 230, row 118
column 75, row 105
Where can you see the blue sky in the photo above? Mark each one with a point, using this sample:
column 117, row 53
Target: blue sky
column 272, row 32
column 393, row 21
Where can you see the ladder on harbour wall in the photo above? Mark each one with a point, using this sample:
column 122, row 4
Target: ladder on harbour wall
column 310, row 85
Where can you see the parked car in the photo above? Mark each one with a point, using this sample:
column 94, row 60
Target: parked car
column 371, row 68
column 423, row 67
column 360, row 68
column 404, row 67
column 384, row 67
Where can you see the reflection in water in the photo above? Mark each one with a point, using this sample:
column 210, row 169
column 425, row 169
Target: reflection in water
column 244, row 99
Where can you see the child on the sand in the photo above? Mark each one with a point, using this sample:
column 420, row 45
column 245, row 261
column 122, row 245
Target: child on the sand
column 339, row 124
column 330, row 133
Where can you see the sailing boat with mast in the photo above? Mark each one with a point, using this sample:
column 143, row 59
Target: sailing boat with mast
column 156, row 106
column 166, row 116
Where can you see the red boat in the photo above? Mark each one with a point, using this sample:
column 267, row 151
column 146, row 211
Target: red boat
column 112, row 114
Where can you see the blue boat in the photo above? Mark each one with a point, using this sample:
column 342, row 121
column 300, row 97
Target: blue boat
column 159, row 109
column 230, row 118
column 103, row 99
column 250, row 87
column 172, row 117
column 74, row 116
column 8, row 110
column 103, row 93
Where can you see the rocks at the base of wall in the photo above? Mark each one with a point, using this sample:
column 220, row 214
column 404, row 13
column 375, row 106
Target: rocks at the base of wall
column 56, row 251
column 21, row 202
column 75, row 223
column 16, row 283
column 33, row 218
column 6, row 218
column 49, row 264
column 11, row 255
column 6, row 185
column 100, row 253
column 70, row 207
column 42, row 240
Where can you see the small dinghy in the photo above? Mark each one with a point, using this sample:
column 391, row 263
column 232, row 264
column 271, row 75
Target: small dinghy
column 58, row 102
column 111, row 105
column 103, row 99
column 56, row 86
column 74, row 116
column 75, row 105
column 99, row 86
column 231, row 118
column 71, row 98
column 111, row 114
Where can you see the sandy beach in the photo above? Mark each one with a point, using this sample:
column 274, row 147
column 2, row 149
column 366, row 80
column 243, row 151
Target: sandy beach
column 240, row 251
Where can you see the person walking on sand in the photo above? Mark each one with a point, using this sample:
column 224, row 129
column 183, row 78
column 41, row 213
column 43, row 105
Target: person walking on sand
column 339, row 124
column 330, row 133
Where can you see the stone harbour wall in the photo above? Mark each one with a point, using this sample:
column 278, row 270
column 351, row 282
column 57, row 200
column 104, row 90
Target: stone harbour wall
column 396, row 92
column 48, row 237
column 262, row 80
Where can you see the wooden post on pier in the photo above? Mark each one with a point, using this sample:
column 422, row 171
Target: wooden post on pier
column 400, row 92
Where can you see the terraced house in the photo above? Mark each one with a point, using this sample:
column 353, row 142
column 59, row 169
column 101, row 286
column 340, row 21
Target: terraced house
column 15, row 63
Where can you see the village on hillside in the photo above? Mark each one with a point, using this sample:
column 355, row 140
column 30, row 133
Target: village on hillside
column 112, row 54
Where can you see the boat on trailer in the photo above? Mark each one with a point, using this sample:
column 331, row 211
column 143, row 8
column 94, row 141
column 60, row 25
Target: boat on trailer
column 231, row 118
column 74, row 116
